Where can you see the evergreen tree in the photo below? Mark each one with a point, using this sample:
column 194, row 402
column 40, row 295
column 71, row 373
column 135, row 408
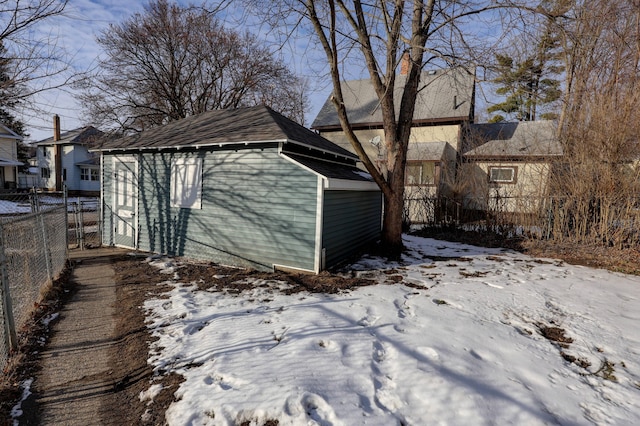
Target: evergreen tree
column 9, row 100
column 528, row 83
column 9, row 95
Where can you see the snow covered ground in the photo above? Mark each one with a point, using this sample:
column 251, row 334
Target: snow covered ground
column 21, row 204
column 459, row 341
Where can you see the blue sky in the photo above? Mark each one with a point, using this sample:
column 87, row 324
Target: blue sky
column 76, row 32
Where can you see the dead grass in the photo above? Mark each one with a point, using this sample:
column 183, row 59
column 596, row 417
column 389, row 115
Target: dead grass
column 624, row 260
column 136, row 281
column 23, row 363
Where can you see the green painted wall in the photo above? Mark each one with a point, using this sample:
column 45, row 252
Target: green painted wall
column 351, row 219
column 257, row 209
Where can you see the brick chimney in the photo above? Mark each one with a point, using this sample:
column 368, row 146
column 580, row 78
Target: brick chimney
column 405, row 62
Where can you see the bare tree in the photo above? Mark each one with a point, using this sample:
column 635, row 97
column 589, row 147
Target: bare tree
column 378, row 33
column 170, row 62
column 599, row 181
column 31, row 60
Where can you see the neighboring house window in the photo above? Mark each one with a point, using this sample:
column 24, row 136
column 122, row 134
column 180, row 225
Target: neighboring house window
column 87, row 173
column 45, row 173
column 186, row 183
column 420, row 173
column 44, row 151
column 502, row 174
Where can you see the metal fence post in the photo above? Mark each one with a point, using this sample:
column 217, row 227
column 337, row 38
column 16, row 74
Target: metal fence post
column 46, row 247
column 34, row 201
column 66, row 218
column 7, row 306
column 81, row 223
column 99, row 221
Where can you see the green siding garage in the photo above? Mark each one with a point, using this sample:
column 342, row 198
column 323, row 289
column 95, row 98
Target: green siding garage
column 242, row 187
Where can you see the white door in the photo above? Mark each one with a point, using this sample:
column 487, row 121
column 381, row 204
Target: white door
column 125, row 197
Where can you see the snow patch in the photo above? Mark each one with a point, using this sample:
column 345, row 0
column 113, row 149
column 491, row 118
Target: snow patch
column 463, row 342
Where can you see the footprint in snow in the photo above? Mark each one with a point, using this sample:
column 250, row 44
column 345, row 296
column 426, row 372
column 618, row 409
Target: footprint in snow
column 404, row 309
column 368, row 321
column 386, row 397
column 219, row 381
column 314, row 407
column 381, row 353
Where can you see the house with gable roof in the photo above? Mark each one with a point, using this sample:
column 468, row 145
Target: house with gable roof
column 444, row 107
column 508, row 165
column 9, row 162
column 246, row 187
column 64, row 159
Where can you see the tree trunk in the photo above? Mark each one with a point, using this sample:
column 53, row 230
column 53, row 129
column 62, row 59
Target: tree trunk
column 392, row 221
column 392, row 228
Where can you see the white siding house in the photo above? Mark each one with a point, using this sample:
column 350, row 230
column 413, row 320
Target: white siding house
column 8, row 158
column 67, row 160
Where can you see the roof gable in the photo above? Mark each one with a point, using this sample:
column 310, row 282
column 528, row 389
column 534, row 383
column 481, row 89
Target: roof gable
column 257, row 124
column 443, row 95
column 87, row 136
column 513, row 140
column 7, row 133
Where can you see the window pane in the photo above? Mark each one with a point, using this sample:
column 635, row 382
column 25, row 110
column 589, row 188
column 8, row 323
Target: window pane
column 428, row 173
column 413, row 174
column 502, row 174
column 420, row 173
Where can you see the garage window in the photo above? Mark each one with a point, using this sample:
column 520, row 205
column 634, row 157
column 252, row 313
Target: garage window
column 186, row 183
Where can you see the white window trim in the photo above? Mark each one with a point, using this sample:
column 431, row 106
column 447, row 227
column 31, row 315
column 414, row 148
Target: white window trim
column 186, row 183
column 513, row 169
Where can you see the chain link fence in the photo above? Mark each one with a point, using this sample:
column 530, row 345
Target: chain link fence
column 35, row 233
column 84, row 223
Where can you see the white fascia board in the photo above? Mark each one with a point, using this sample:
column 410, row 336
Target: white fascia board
column 350, row 185
column 180, row 147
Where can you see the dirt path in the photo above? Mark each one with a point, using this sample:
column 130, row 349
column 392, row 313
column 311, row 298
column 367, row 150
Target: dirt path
column 75, row 374
column 94, row 365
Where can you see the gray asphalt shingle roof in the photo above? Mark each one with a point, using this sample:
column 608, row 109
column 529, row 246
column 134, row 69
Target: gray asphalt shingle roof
column 429, row 151
column 332, row 170
column 512, row 140
column 222, row 127
column 443, row 95
column 87, row 136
